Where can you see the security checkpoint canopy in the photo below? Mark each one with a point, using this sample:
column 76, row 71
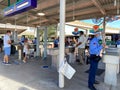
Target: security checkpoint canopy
column 5, row 27
column 75, row 10
column 88, row 26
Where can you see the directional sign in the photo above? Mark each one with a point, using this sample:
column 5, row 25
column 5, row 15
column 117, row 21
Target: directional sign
column 19, row 7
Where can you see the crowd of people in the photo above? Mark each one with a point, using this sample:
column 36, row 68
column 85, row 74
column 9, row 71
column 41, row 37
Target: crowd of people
column 93, row 49
column 89, row 46
column 6, row 45
column 25, row 47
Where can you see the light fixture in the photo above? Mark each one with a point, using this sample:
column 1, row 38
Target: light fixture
column 8, row 23
column 41, row 14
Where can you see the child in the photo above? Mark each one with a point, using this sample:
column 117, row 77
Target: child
column 25, row 50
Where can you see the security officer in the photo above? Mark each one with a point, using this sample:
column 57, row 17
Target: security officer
column 95, row 51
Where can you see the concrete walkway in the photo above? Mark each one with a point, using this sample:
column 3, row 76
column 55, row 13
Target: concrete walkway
column 32, row 76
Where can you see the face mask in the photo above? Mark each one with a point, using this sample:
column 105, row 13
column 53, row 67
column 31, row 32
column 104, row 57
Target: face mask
column 99, row 37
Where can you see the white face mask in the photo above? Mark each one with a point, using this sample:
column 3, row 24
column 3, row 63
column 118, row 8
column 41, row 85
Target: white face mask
column 99, row 37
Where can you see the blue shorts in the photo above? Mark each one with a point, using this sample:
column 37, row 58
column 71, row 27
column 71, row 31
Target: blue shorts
column 7, row 50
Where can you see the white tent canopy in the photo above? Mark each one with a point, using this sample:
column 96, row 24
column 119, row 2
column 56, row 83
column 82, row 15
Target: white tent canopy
column 88, row 26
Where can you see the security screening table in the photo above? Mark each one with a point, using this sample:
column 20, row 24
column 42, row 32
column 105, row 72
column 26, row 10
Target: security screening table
column 111, row 60
column 54, row 54
column 64, row 68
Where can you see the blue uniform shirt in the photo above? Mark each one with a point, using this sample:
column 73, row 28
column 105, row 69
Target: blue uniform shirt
column 95, row 47
column 118, row 42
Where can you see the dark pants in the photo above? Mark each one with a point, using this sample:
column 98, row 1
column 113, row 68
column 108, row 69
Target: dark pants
column 92, row 71
column 34, row 48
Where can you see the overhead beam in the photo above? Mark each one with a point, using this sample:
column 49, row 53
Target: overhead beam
column 51, row 9
column 78, row 12
column 82, row 13
column 80, row 17
column 99, row 6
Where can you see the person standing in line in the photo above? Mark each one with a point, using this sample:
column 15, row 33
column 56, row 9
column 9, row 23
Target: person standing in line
column 7, row 47
column 95, row 49
column 81, row 46
column 22, row 39
column 25, row 50
column 35, row 43
column 1, row 44
column 56, row 42
column 118, row 43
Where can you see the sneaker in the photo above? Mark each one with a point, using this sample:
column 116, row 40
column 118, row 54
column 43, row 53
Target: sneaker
column 3, row 62
column 8, row 63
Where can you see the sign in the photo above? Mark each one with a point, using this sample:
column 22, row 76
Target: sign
column 75, row 29
column 75, row 32
column 96, row 27
column 67, row 70
column 20, row 7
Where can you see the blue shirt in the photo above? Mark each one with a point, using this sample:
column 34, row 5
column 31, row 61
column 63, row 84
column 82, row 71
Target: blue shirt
column 35, row 41
column 95, row 47
column 22, row 40
column 56, row 41
column 118, row 42
column 6, row 39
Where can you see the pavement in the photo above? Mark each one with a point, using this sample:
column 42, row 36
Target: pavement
column 32, row 76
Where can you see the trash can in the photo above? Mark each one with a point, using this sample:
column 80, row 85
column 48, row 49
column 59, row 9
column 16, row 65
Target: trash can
column 111, row 60
column 71, row 54
column 54, row 54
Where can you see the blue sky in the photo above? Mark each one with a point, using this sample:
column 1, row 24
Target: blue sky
column 115, row 24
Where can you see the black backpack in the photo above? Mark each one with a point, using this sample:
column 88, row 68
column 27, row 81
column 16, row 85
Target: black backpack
column 13, row 49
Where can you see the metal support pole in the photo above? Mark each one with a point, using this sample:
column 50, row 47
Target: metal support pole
column 62, row 39
column 87, row 33
column 12, row 37
column 45, row 42
column 15, row 36
column 15, row 32
column 35, row 33
column 8, row 2
column 103, row 35
column 38, row 42
column 58, row 28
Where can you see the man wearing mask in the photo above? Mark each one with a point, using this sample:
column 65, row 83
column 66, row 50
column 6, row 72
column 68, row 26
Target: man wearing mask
column 7, row 47
column 95, row 49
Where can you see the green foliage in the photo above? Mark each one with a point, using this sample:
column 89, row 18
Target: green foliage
column 29, row 36
column 52, row 30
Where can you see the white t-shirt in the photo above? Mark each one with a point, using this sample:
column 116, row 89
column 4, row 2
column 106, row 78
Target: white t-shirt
column 6, row 38
column 82, row 39
column 25, row 49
